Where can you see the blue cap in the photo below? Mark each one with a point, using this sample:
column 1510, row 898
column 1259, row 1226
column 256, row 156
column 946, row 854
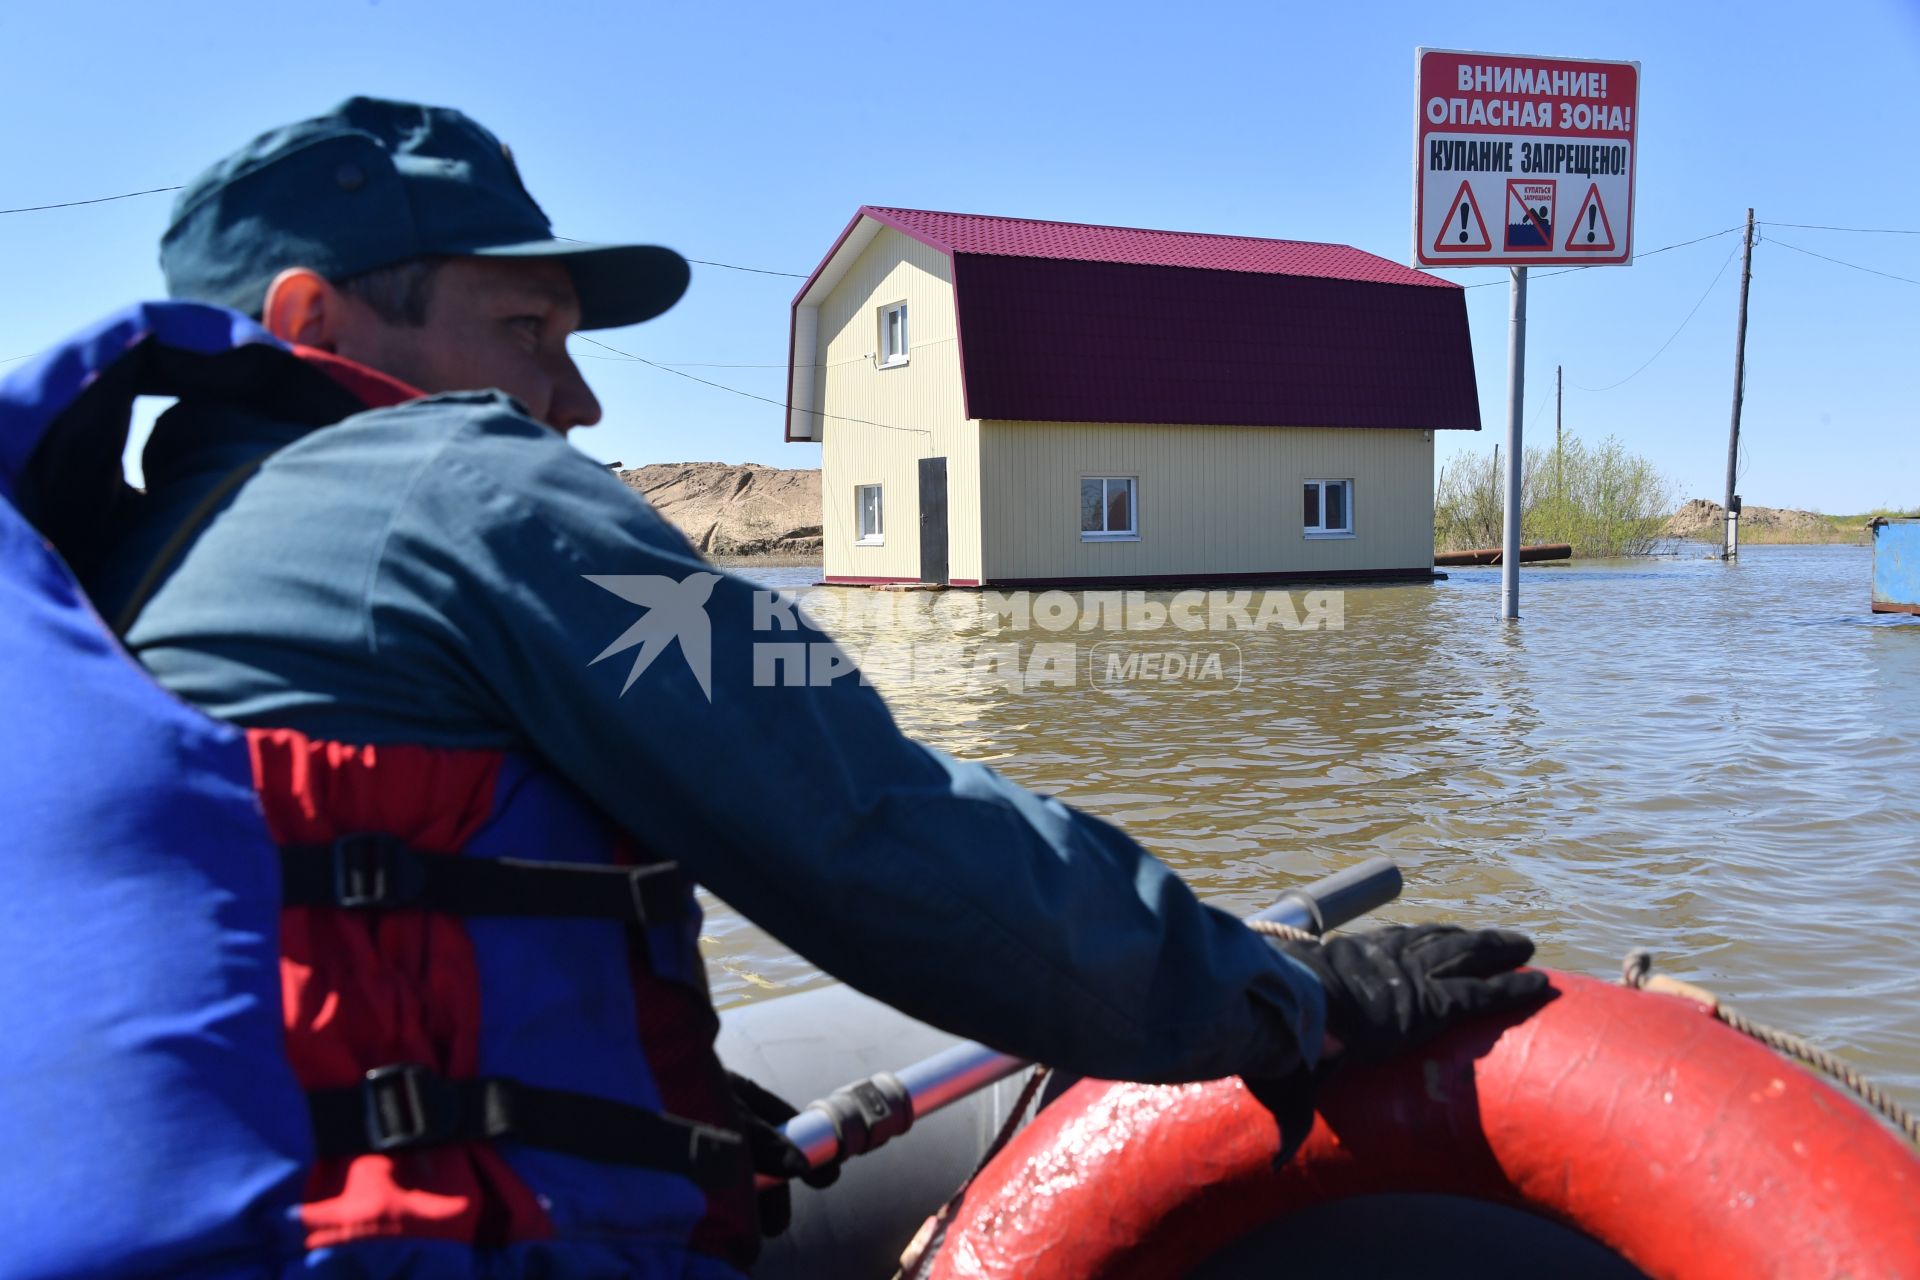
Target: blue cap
column 372, row 183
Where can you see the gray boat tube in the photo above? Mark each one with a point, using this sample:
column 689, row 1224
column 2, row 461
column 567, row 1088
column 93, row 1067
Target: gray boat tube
column 811, row 1045
column 808, row 1045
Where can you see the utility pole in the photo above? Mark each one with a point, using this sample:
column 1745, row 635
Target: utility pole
column 1556, row 430
column 1731, row 550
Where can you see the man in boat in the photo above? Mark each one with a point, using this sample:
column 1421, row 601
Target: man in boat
column 457, row 641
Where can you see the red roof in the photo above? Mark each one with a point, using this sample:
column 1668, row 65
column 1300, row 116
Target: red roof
column 1064, row 322
column 1049, row 341
column 1079, row 242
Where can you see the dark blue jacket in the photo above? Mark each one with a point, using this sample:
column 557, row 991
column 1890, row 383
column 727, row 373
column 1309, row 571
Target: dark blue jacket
column 450, row 572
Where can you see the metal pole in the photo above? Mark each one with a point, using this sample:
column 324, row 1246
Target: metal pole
column 1557, row 388
column 932, row 1083
column 1731, row 549
column 1516, row 398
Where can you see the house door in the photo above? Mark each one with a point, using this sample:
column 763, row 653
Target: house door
column 933, row 519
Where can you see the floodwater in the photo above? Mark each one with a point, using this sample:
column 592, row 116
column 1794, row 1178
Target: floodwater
column 1718, row 762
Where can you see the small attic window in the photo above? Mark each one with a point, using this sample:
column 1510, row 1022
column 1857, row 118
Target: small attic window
column 893, row 334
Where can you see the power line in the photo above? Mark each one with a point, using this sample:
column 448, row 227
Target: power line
column 154, row 191
column 694, row 364
column 704, row 364
column 71, row 204
column 1675, row 334
column 759, row 271
column 721, row 386
column 1856, row 266
column 1865, row 231
column 1544, row 402
column 1711, row 235
column 1530, row 279
column 831, row 364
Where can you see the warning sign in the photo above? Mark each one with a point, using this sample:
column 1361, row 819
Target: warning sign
column 1463, row 230
column 1530, row 215
column 1503, row 133
column 1591, row 231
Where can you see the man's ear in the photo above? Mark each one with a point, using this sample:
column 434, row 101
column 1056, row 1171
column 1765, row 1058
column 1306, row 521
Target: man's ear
column 303, row 307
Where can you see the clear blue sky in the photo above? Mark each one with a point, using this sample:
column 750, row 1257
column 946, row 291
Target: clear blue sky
column 748, row 133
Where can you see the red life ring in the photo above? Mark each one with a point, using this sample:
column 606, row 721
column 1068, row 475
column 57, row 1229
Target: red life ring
column 1683, row 1146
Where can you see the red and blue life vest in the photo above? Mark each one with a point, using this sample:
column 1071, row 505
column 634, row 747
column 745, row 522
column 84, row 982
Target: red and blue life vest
column 280, row 1006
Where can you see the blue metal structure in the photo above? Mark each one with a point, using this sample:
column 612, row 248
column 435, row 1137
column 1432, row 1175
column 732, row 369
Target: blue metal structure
column 1896, row 566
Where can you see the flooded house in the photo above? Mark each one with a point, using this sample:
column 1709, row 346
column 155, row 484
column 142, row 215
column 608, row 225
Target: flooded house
column 1008, row 402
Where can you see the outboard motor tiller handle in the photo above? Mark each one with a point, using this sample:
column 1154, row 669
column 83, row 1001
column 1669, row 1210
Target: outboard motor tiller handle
column 1339, row 898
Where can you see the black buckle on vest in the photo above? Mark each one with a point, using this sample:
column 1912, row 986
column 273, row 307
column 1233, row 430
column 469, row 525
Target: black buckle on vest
column 654, row 881
column 714, row 1155
column 396, row 1106
column 406, row 1105
column 371, row 871
column 362, row 871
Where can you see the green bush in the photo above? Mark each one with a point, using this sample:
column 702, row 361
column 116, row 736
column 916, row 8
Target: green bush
column 1603, row 500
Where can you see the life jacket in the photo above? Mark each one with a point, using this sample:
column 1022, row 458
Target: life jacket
column 278, row 1005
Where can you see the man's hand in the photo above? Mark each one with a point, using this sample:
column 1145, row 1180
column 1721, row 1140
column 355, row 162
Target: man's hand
column 1394, row 989
column 772, row 1153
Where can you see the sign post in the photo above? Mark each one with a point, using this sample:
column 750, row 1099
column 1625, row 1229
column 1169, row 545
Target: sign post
column 1516, row 463
column 1522, row 161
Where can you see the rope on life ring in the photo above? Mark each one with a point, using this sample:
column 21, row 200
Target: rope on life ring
column 1637, row 972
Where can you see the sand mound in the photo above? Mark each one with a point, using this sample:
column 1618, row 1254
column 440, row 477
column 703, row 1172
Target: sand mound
column 1705, row 521
column 729, row 510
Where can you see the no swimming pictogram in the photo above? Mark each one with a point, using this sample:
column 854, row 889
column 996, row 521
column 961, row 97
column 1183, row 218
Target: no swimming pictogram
column 1530, row 214
column 1464, row 230
column 1590, row 231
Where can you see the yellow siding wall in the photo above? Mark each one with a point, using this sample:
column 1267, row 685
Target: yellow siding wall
column 1213, row 500
column 923, row 395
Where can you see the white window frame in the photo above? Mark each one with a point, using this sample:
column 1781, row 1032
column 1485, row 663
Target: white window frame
column 1321, row 530
column 861, row 536
column 888, row 357
column 1133, row 508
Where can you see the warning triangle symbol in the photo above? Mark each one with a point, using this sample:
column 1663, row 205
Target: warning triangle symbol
column 1463, row 230
column 1590, row 231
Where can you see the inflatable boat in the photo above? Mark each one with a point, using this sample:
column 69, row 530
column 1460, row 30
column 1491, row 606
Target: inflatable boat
column 1611, row 1132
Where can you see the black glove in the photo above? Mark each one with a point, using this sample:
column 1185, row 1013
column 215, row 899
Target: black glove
column 1392, row 990
column 772, row 1153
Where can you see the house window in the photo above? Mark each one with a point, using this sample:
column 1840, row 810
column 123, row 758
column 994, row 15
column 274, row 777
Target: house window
column 1109, row 510
column 893, row 334
column 866, row 507
column 1329, row 509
